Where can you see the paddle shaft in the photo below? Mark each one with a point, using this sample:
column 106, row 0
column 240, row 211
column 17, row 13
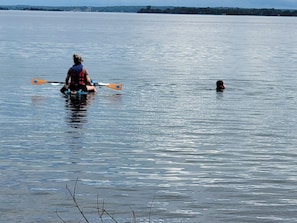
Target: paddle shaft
column 55, row 82
column 35, row 81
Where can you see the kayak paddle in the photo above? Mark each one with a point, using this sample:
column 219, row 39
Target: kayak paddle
column 35, row 81
column 39, row 82
column 112, row 86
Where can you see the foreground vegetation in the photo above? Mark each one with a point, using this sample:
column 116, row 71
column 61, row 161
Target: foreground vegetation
column 100, row 209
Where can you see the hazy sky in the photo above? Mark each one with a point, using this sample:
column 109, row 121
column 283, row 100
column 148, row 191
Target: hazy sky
column 195, row 3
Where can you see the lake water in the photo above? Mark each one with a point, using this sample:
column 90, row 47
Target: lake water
column 168, row 146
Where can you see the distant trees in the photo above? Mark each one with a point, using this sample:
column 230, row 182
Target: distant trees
column 219, row 11
column 162, row 9
column 131, row 9
column 40, row 9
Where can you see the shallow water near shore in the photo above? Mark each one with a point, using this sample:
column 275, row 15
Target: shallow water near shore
column 168, row 146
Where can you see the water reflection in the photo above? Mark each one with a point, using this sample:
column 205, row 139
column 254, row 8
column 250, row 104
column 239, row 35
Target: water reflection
column 76, row 119
column 36, row 99
column 77, row 108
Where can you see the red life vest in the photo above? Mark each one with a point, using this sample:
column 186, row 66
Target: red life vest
column 78, row 75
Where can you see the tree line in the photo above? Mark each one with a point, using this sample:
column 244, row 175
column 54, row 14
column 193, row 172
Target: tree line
column 163, row 9
column 131, row 9
column 220, row 11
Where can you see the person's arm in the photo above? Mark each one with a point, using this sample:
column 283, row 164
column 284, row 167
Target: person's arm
column 89, row 81
column 66, row 85
column 67, row 78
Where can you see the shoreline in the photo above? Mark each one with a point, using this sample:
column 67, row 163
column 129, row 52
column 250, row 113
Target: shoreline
column 162, row 10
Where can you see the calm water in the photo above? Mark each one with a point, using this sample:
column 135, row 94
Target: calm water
column 168, row 147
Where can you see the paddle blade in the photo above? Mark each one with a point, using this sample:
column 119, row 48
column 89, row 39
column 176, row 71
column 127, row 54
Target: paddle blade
column 115, row 86
column 38, row 81
column 112, row 86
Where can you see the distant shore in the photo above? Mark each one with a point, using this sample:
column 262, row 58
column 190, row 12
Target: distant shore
column 162, row 10
column 221, row 11
column 132, row 9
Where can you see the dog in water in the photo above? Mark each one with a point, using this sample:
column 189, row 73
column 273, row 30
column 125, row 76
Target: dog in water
column 220, row 85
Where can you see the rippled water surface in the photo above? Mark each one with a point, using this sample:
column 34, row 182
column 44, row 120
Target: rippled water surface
column 168, row 146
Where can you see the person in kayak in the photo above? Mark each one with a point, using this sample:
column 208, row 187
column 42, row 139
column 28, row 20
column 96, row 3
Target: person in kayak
column 220, row 85
column 79, row 77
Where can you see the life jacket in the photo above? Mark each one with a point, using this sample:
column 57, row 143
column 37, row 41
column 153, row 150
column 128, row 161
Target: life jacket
column 78, row 76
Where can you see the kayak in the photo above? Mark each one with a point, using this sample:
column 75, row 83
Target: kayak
column 76, row 93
